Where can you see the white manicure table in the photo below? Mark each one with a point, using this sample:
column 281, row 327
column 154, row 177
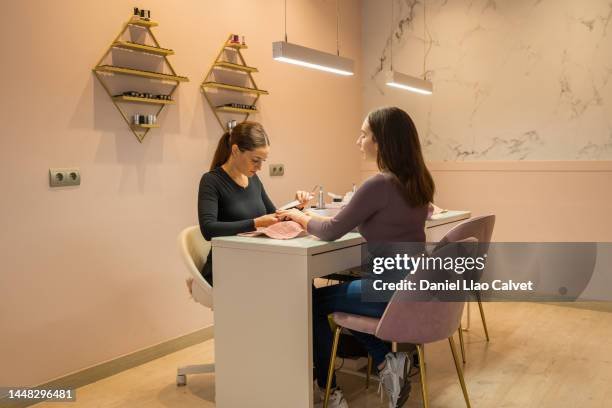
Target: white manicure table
column 262, row 312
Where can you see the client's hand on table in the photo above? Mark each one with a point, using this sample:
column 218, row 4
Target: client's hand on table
column 294, row 215
column 266, row 220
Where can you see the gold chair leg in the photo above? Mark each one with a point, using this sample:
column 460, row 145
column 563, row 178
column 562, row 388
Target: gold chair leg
column 459, row 371
column 332, row 365
column 461, row 344
column 482, row 315
column 369, row 370
column 421, row 351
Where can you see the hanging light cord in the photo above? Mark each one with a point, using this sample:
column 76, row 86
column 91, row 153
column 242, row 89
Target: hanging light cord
column 392, row 30
column 424, row 43
column 338, row 27
column 285, row 20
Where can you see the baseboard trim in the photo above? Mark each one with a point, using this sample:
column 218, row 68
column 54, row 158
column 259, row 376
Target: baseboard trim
column 100, row 371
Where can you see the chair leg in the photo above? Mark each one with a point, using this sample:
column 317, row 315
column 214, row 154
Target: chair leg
column 461, row 344
column 332, row 365
column 468, row 316
column 459, row 371
column 421, row 351
column 482, row 315
column 369, row 371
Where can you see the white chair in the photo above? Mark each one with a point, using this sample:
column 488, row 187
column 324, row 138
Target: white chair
column 194, row 249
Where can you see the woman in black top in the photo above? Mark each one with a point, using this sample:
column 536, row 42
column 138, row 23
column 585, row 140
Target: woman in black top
column 231, row 198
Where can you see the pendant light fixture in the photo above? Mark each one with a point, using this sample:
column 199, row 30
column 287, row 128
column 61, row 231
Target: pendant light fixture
column 285, row 51
column 400, row 80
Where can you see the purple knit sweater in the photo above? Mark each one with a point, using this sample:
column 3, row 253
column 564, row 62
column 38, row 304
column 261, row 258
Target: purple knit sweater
column 381, row 213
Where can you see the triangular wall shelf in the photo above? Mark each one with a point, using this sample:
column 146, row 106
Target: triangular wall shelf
column 229, row 86
column 136, row 89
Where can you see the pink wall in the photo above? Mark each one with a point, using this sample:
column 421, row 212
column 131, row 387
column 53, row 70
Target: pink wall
column 93, row 272
column 534, row 201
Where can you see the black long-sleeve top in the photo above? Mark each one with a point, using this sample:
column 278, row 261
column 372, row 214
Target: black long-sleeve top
column 226, row 208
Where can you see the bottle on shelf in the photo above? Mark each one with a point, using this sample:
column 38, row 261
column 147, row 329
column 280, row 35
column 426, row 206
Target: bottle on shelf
column 139, row 119
column 321, row 203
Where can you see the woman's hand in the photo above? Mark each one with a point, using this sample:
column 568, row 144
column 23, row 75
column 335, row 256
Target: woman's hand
column 303, row 197
column 265, row 220
column 313, row 214
column 294, row 215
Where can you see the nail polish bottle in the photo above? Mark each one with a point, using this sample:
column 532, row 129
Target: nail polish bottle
column 321, row 198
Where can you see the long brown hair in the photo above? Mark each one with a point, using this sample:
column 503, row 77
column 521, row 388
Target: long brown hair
column 247, row 136
column 399, row 153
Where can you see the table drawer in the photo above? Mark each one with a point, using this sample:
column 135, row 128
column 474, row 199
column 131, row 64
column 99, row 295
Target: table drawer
column 334, row 261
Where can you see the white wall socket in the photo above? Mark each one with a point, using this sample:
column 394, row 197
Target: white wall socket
column 61, row 177
column 277, row 170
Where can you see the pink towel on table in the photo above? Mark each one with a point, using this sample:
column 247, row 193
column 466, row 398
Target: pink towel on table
column 280, row 230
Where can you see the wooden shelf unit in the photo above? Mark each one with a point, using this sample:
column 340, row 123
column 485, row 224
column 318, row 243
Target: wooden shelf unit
column 142, row 23
column 234, row 67
column 211, row 81
column 145, row 126
column 236, row 110
column 135, row 99
column 127, row 45
column 235, row 88
column 235, row 46
column 140, row 73
column 140, row 131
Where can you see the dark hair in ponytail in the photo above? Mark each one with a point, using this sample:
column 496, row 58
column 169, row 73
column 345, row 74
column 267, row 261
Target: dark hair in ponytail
column 248, row 136
column 399, row 153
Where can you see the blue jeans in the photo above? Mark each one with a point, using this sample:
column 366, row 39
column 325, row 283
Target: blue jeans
column 342, row 298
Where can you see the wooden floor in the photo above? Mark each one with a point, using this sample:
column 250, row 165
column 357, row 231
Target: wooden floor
column 539, row 356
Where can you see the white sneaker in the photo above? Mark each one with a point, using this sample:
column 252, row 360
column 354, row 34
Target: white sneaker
column 403, row 363
column 392, row 379
column 336, row 400
column 389, row 380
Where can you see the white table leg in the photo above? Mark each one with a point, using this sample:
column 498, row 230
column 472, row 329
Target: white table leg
column 263, row 326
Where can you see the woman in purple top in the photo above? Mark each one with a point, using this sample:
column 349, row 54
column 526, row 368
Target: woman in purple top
column 389, row 207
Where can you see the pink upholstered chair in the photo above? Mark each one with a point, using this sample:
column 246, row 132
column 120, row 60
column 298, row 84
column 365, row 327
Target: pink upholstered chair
column 480, row 228
column 407, row 321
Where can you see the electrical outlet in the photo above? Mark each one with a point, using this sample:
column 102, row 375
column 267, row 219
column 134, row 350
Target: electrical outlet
column 277, row 170
column 64, row 177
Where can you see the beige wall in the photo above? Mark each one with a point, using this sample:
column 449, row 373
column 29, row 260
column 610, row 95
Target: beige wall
column 91, row 273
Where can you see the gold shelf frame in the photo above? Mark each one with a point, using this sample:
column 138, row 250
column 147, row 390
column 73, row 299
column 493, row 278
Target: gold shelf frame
column 243, row 67
column 140, row 131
